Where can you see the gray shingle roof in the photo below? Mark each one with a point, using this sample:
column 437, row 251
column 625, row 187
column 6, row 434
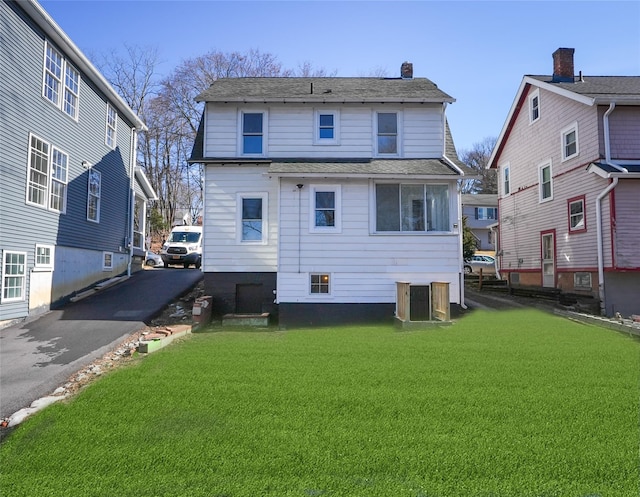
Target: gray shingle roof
column 601, row 88
column 323, row 90
column 481, row 200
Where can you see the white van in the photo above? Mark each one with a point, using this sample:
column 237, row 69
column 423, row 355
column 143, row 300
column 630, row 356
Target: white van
column 183, row 247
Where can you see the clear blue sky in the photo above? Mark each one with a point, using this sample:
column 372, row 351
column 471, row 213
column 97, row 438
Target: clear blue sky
column 475, row 51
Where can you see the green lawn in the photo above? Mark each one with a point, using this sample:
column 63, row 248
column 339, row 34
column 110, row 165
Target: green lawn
column 516, row 403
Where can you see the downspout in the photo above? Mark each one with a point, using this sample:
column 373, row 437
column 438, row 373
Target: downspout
column 603, row 194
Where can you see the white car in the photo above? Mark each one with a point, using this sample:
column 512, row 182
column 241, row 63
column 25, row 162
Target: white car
column 477, row 262
column 153, row 260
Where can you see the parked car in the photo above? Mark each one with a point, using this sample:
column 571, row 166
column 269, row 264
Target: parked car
column 477, row 262
column 153, row 259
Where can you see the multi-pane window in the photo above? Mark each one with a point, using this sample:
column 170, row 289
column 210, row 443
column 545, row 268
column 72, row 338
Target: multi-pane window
column 570, row 141
column 320, row 283
column 412, row 207
column 251, row 219
column 485, row 213
column 61, row 82
column 324, row 208
column 44, row 257
column 14, row 270
column 93, row 195
column 576, row 214
column 252, row 133
column 59, row 173
column 534, row 106
column 107, row 261
column 47, row 175
column 387, row 129
column 112, row 120
column 546, row 185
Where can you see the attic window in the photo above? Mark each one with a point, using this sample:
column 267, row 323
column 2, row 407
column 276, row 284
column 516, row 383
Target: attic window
column 534, row 106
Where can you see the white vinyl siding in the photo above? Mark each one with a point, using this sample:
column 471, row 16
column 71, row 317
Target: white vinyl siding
column 289, row 132
column 363, row 266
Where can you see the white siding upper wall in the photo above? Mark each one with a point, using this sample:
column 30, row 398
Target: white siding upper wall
column 222, row 251
column 363, row 266
column 627, row 237
column 290, row 131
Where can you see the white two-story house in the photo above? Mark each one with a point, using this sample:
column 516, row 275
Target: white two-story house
column 322, row 193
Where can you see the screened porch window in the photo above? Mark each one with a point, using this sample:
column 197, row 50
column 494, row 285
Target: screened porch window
column 412, row 207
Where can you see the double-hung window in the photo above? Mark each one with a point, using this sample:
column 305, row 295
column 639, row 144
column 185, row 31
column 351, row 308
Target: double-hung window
column 506, row 180
column 251, row 221
column 94, row 192
column 325, row 208
column 570, row 141
column 47, row 175
column 14, row 276
column 546, row 182
column 252, row 133
column 112, row 121
column 411, row 207
column 327, row 127
column 534, row 106
column 61, row 82
column 387, row 133
column 577, row 220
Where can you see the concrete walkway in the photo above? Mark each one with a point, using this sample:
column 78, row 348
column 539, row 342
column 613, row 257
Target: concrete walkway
column 37, row 356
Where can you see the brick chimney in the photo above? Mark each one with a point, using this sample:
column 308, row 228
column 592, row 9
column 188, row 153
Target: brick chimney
column 563, row 65
column 406, row 70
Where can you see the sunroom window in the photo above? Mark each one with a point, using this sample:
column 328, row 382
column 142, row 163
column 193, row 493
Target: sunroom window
column 412, row 207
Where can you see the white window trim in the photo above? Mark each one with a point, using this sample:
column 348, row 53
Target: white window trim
column 399, row 129
column 52, row 180
column 504, row 169
column 48, row 187
column 534, row 94
column 23, row 296
column 583, row 227
column 105, row 266
column 563, row 135
column 265, row 216
column 265, row 129
column 108, row 127
column 44, row 267
column 337, row 189
column 319, row 295
column 541, row 167
column 99, row 195
column 63, row 89
column 336, row 127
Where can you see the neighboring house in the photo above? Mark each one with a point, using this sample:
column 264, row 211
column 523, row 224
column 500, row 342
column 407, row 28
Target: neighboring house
column 71, row 199
column 481, row 211
column 322, row 193
column 568, row 161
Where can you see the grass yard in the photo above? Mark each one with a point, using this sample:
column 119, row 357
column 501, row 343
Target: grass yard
column 516, row 403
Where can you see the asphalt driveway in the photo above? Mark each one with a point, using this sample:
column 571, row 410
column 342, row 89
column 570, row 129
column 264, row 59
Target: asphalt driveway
column 39, row 355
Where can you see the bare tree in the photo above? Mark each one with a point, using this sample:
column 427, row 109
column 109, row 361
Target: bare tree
column 477, row 159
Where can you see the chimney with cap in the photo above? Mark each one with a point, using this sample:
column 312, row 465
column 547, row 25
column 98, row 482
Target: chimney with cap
column 406, row 70
column 563, row 65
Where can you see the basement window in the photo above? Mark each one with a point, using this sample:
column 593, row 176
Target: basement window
column 320, row 283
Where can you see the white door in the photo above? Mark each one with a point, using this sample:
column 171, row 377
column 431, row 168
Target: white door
column 548, row 260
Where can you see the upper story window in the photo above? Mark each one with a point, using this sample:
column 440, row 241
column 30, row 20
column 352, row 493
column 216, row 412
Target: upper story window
column 506, row 180
column 112, row 121
column 325, row 208
column 251, row 222
column 546, row 182
column 534, row 106
column 93, row 195
column 412, row 207
column 387, row 133
column 576, row 211
column 47, row 175
column 327, row 127
column 252, row 133
column 485, row 213
column 61, row 82
column 570, row 141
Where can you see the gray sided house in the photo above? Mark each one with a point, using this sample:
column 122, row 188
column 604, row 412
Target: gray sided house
column 481, row 211
column 322, row 193
column 72, row 200
column 568, row 161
